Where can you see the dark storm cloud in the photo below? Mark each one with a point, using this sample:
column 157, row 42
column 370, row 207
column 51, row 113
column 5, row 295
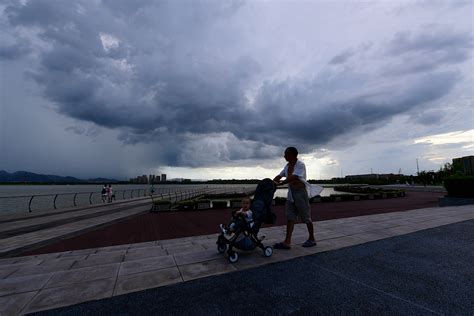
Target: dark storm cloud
column 174, row 75
column 12, row 51
column 432, row 39
column 428, row 118
column 322, row 119
column 81, row 130
column 342, row 57
column 425, row 51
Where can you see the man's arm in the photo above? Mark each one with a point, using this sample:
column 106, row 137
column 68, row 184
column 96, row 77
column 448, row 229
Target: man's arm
column 277, row 179
column 290, row 179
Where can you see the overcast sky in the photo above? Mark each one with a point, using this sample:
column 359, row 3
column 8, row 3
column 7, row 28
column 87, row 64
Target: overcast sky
column 218, row 89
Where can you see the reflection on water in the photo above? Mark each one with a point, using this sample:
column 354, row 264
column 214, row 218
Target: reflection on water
column 84, row 198
column 15, row 190
column 18, row 197
column 327, row 191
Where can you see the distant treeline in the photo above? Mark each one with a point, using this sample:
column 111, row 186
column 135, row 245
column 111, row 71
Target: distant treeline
column 424, row 177
column 233, row 181
column 62, row 183
column 26, row 177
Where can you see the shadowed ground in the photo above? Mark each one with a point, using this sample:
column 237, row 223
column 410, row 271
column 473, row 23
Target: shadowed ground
column 166, row 225
column 423, row 273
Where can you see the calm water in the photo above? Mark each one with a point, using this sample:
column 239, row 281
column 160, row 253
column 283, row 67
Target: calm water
column 21, row 194
column 16, row 198
column 21, row 190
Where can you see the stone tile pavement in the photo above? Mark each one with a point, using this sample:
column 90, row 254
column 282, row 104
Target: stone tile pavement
column 14, row 245
column 16, row 220
column 42, row 282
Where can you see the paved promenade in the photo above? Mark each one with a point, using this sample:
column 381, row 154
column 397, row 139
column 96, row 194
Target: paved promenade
column 170, row 225
column 26, row 231
column 42, row 282
column 428, row 272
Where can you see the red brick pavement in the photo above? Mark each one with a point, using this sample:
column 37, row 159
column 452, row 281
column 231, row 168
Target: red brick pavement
column 156, row 226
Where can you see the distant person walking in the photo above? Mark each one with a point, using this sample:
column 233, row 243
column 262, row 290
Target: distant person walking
column 299, row 192
column 104, row 193
column 110, row 193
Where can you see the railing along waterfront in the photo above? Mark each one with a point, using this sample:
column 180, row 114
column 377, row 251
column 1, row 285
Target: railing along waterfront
column 41, row 202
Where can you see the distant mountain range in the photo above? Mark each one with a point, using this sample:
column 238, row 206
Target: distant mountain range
column 25, row 176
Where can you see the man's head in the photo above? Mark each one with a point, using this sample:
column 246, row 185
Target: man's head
column 291, row 154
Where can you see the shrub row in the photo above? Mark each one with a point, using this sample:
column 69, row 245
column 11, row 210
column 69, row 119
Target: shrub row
column 235, row 203
column 460, row 186
column 348, row 197
column 201, row 204
column 224, row 196
column 365, row 190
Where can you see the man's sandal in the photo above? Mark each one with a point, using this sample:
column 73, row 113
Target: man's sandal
column 281, row 245
column 309, row 243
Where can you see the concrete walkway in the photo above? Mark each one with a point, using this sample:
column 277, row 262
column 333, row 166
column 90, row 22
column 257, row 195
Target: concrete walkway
column 428, row 272
column 35, row 283
column 23, row 232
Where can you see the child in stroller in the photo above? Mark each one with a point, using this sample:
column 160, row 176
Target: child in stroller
column 240, row 220
column 242, row 231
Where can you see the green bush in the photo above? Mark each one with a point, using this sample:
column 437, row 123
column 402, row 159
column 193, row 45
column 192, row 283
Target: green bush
column 224, row 196
column 186, row 205
column 346, row 197
column 161, row 202
column 460, row 186
column 354, row 189
column 315, row 199
column 372, row 191
column 280, row 200
column 327, row 199
column 202, row 204
column 219, row 204
column 161, row 205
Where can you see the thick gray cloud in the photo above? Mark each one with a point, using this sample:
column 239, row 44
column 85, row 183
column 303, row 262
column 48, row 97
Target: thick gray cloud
column 432, row 48
column 342, row 57
column 189, row 77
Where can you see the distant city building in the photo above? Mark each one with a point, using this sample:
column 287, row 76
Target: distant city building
column 150, row 179
column 466, row 164
column 363, row 176
column 140, row 180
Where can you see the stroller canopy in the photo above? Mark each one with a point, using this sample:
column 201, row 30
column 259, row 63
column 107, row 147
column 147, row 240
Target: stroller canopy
column 262, row 202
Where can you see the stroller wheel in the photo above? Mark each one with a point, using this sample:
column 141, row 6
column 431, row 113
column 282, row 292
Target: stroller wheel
column 233, row 257
column 268, row 251
column 222, row 247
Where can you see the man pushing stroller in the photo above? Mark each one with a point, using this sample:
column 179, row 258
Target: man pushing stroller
column 242, row 231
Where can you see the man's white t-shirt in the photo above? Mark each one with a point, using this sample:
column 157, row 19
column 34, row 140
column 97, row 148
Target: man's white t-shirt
column 300, row 172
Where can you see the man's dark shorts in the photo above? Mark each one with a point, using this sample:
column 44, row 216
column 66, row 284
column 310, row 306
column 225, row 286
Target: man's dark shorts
column 300, row 207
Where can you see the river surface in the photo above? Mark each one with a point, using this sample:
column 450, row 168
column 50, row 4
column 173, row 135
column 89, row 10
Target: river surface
column 18, row 197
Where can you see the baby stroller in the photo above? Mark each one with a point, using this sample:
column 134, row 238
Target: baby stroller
column 245, row 234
